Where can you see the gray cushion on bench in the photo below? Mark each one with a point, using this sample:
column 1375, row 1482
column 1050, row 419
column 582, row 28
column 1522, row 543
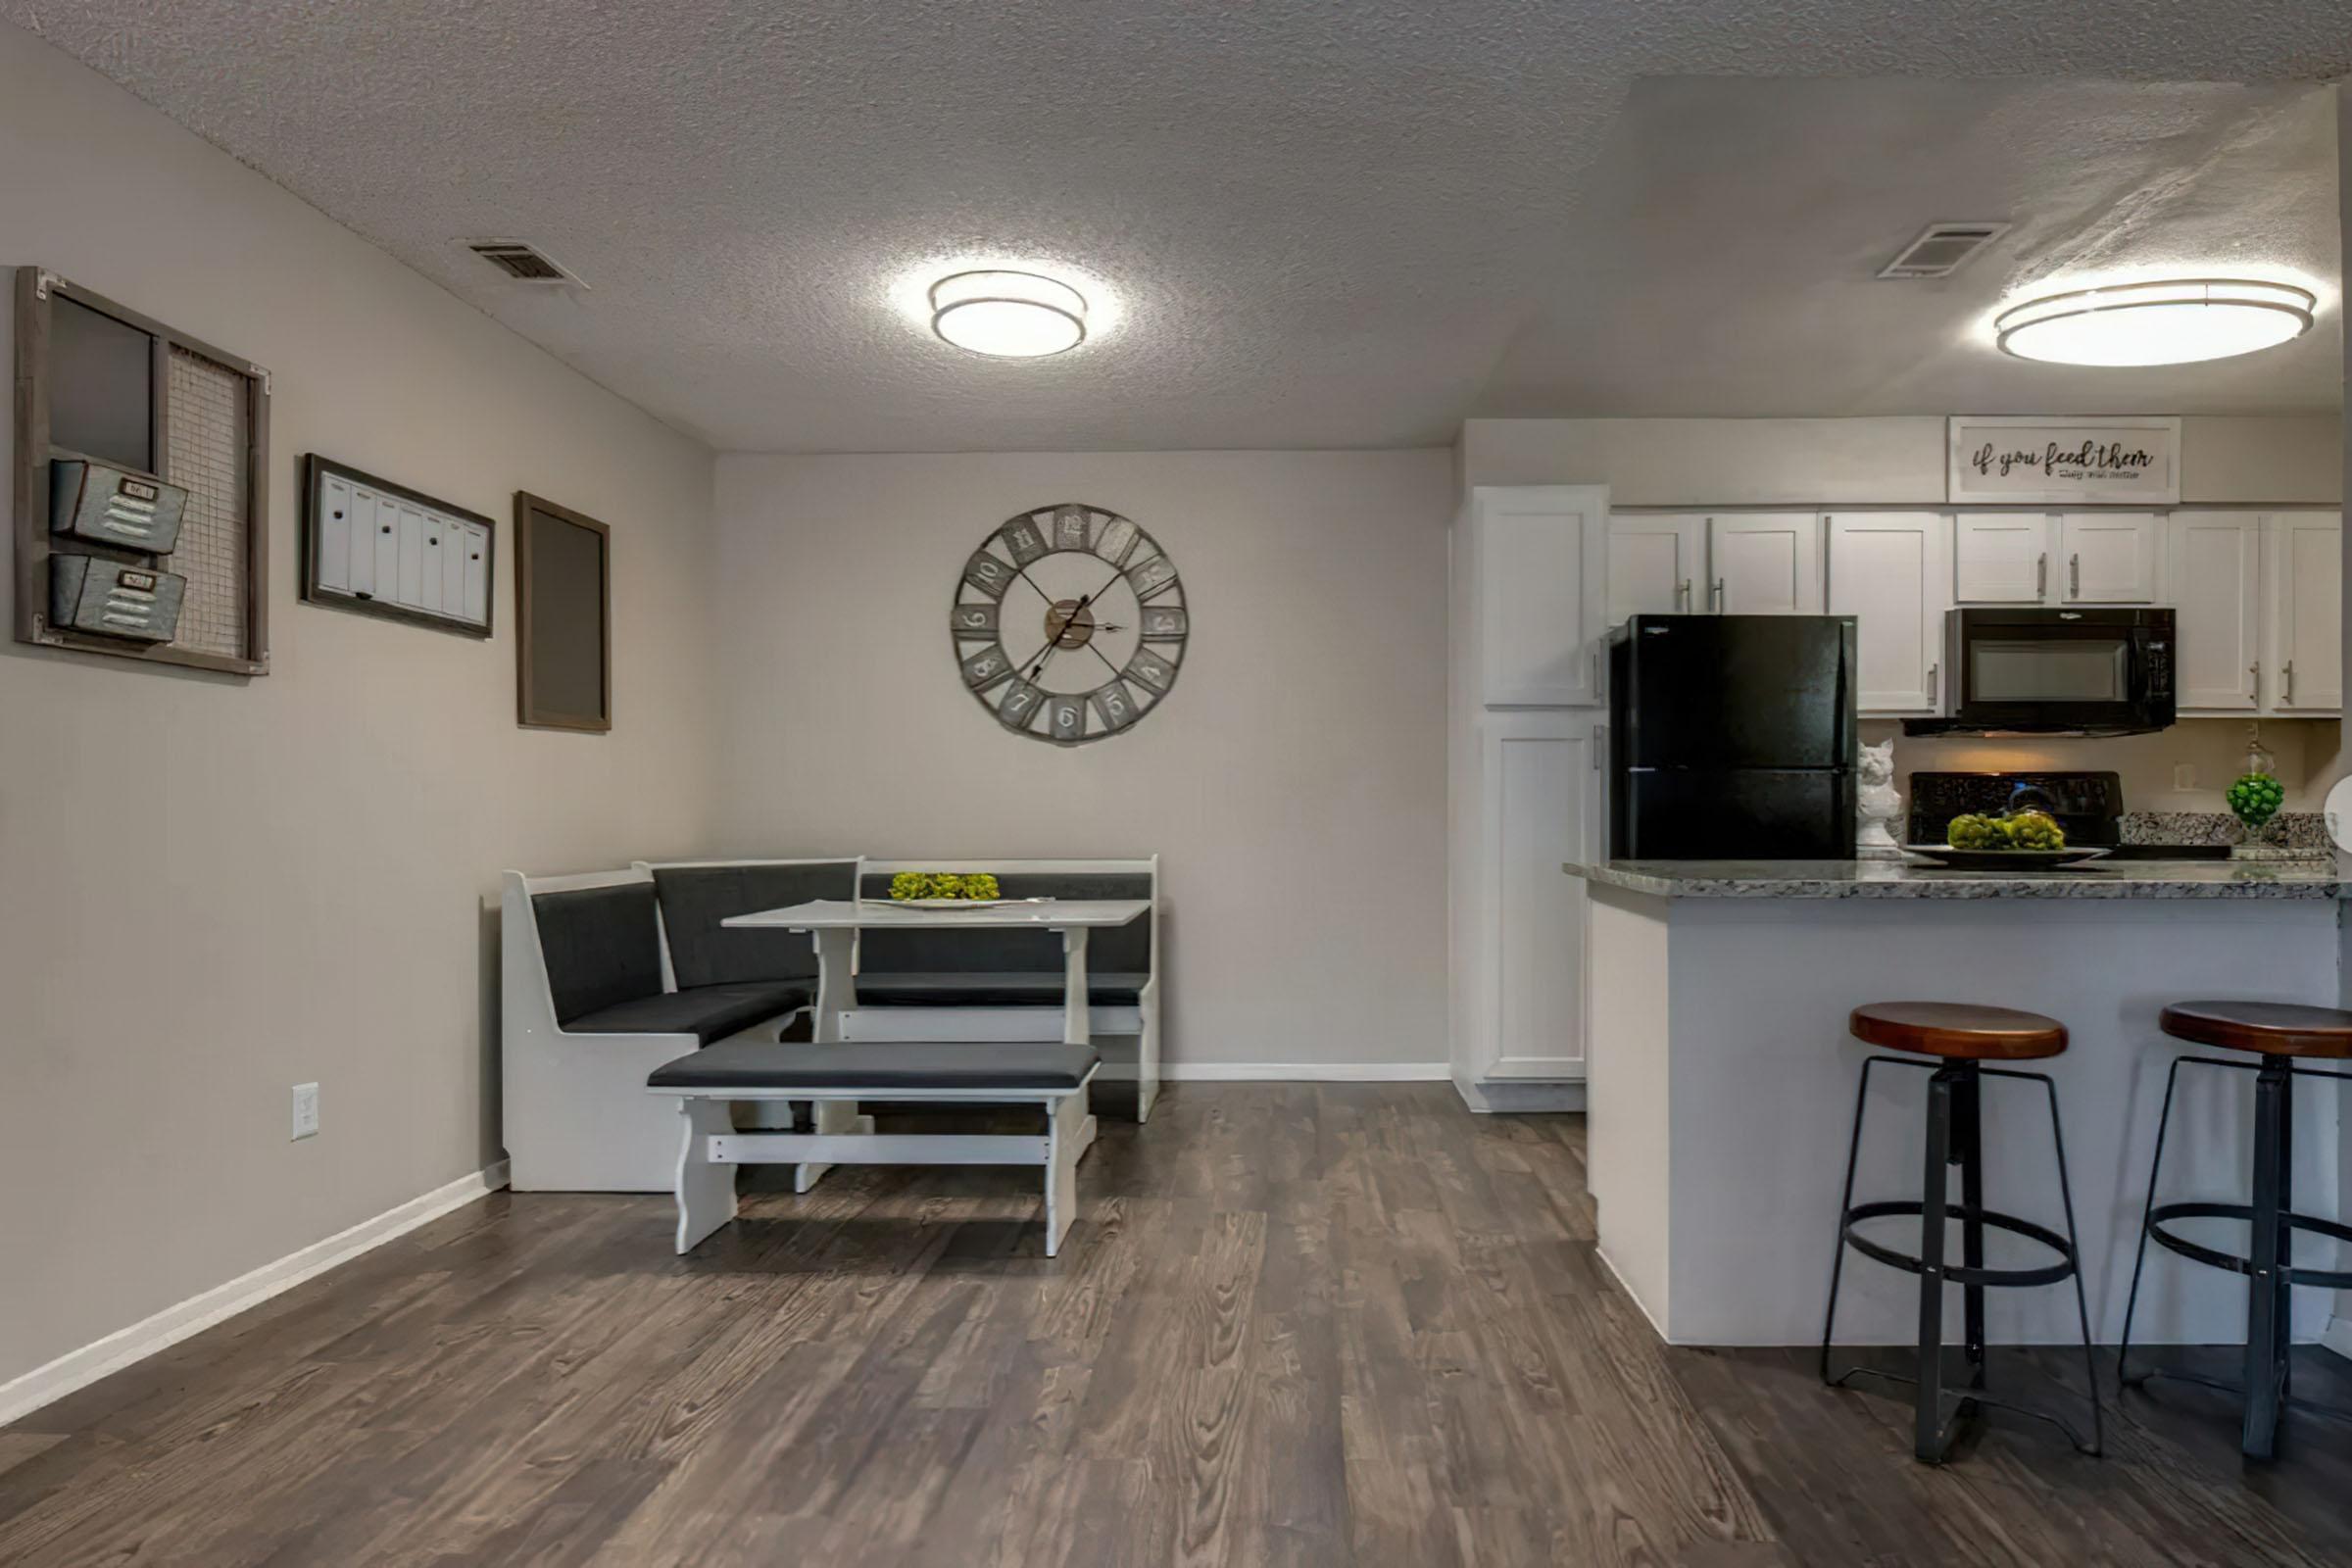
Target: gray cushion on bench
column 600, row 945
column 695, row 898
column 895, row 1065
column 705, row 1012
column 958, row 987
column 1111, row 948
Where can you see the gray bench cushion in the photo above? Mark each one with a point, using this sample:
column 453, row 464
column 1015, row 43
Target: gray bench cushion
column 894, row 1065
column 601, row 947
column 958, row 987
column 1113, row 948
column 695, row 898
column 705, row 1012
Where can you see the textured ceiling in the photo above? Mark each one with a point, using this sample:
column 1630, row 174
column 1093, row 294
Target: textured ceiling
column 1321, row 224
column 1737, row 229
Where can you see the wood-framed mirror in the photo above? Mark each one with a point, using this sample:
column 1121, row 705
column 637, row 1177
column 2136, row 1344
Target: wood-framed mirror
column 563, row 617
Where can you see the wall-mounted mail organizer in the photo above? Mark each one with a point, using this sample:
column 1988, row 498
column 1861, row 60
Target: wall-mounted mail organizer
column 382, row 549
column 141, row 491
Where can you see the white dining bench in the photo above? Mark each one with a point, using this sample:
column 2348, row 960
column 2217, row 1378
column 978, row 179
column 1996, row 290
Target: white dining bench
column 1051, row 1075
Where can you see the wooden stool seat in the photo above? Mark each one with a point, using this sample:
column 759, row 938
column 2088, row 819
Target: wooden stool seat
column 2266, row 1028
column 1960, row 1031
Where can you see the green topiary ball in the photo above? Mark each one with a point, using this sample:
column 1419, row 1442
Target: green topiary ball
column 2255, row 798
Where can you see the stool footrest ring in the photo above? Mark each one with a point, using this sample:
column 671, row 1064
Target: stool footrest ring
column 2163, row 1213
column 1958, row 1273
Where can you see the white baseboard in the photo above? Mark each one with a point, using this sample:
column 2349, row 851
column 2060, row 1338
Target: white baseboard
column 77, row 1369
column 1534, row 1097
column 2338, row 1337
column 1300, row 1072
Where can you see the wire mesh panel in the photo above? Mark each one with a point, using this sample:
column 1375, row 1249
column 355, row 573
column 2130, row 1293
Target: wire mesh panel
column 207, row 457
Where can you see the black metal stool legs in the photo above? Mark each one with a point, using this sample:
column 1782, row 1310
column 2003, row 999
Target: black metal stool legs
column 1955, row 1136
column 2269, row 1320
column 2269, row 1267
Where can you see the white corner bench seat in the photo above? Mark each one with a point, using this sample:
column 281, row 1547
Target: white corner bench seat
column 610, row 974
column 705, row 1083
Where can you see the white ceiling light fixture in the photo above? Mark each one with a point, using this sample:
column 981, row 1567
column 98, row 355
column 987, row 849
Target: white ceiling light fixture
column 2173, row 323
column 1008, row 315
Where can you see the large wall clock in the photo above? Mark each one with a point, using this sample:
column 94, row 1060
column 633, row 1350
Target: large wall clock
column 1069, row 624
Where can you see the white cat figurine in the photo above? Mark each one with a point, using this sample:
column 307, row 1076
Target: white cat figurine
column 1878, row 800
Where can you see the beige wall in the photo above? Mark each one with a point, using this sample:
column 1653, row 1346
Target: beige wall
column 1885, row 462
column 216, row 888
column 1294, row 781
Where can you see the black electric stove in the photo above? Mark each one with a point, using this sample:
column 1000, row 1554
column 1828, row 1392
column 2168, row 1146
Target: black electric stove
column 2088, row 806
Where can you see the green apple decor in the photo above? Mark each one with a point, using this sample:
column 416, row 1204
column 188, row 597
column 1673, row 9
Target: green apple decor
column 2014, row 830
column 907, row 885
column 2255, row 798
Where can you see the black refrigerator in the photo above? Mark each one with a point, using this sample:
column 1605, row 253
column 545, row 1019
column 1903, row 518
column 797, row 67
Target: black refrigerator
column 1731, row 738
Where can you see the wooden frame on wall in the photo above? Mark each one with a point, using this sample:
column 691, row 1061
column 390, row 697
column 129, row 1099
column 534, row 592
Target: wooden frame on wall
column 460, row 530
column 35, row 295
column 562, row 643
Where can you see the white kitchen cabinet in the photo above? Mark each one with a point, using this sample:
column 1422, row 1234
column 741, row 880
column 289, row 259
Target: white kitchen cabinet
column 1765, row 563
column 1538, row 558
column 2001, row 558
column 1893, row 572
column 1537, row 779
column 1528, row 610
column 2216, row 572
column 2108, row 557
column 2303, row 670
column 1657, row 563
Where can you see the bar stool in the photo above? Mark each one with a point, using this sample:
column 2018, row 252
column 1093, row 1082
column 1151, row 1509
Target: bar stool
column 1959, row 1039
column 2278, row 1031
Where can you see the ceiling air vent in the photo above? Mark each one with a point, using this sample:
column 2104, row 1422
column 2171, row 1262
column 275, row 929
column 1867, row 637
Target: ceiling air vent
column 1941, row 249
column 520, row 262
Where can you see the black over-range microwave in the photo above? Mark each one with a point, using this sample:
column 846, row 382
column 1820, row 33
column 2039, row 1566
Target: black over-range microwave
column 2068, row 671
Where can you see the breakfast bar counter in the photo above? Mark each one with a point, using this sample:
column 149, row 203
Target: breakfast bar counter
column 1907, row 879
column 1723, row 1079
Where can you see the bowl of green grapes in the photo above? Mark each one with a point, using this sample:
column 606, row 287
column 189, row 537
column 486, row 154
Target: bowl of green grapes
column 2004, row 841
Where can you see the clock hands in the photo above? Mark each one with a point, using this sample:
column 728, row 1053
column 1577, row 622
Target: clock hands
column 1055, row 644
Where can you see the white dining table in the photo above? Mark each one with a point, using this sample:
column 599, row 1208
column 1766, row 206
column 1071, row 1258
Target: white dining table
column 836, row 922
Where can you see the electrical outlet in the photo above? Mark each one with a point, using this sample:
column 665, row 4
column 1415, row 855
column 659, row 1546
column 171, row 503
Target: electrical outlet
column 2185, row 775
column 306, row 1111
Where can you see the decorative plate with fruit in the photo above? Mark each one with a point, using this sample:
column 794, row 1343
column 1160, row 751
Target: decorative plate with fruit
column 2012, row 841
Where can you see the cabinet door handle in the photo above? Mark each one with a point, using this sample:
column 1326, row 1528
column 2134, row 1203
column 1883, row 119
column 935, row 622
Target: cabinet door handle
column 2041, row 574
column 1682, row 594
column 1934, row 681
column 2073, row 576
column 2286, row 673
column 1717, row 596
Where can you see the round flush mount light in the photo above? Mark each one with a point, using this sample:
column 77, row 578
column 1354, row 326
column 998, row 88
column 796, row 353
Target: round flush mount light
column 2156, row 324
column 1010, row 315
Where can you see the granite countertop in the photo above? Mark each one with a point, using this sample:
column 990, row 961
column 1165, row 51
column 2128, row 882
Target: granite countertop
column 1907, row 879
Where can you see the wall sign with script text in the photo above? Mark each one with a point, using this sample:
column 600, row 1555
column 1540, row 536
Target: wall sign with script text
column 2036, row 460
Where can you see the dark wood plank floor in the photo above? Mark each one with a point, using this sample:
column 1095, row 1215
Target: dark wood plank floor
column 1340, row 1324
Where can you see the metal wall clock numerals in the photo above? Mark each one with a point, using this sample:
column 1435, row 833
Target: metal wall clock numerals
column 986, row 668
column 1050, row 620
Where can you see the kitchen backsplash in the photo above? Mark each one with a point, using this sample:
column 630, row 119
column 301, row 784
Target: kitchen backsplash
column 2305, row 754
column 2293, row 830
